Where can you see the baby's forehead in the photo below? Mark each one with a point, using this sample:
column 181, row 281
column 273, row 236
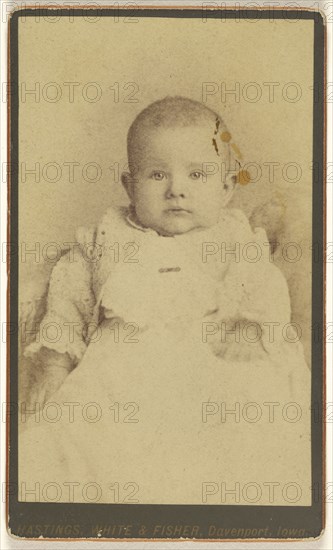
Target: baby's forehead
column 170, row 138
column 204, row 125
column 169, row 154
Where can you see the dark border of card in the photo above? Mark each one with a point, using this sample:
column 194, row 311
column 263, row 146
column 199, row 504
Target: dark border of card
column 32, row 520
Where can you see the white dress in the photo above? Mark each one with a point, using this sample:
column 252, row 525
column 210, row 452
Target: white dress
column 165, row 406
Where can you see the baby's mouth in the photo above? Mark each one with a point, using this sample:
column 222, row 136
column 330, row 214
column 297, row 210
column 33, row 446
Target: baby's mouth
column 178, row 209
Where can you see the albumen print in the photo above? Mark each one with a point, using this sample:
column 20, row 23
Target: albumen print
column 168, row 192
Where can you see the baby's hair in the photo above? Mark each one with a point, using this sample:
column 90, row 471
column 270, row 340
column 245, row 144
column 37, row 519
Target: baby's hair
column 173, row 112
column 170, row 112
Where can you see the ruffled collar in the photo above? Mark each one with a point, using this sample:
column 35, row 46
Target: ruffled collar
column 134, row 222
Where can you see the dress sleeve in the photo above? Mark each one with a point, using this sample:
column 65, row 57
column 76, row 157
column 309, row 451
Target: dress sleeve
column 265, row 293
column 266, row 301
column 253, row 288
column 254, row 296
column 69, row 308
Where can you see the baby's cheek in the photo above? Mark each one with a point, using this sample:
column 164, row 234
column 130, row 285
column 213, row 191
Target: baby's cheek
column 210, row 212
column 147, row 211
column 147, row 197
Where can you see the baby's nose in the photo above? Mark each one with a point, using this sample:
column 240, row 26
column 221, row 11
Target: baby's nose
column 176, row 187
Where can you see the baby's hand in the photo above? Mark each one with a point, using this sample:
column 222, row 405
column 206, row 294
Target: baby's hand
column 239, row 341
column 50, row 381
column 248, row 352
column 54, row 369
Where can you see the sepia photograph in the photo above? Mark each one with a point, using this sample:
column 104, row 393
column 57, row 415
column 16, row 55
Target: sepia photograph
column 166, row 273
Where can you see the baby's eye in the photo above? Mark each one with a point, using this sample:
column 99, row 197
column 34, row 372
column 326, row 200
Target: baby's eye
column 157, row 175
column 197, row 175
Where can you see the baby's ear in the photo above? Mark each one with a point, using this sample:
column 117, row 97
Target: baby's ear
column 128, row 182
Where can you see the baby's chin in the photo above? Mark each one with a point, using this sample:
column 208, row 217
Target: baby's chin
column 171, row 228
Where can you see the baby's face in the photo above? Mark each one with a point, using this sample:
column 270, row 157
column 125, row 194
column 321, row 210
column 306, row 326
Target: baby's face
column 178, row 186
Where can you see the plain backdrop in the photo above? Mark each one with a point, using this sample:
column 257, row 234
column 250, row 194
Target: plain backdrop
column 91, row 78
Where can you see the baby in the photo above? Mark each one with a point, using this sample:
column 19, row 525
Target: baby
column 182, row 175
column 155, row 315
